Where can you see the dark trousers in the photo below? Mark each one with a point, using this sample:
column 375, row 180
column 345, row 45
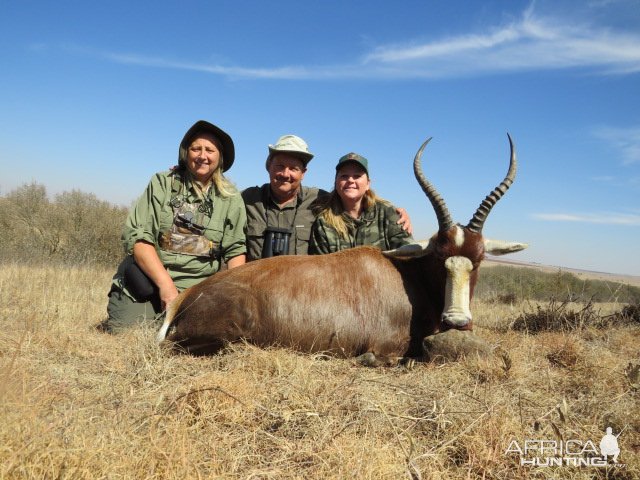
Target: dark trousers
column 125, row 313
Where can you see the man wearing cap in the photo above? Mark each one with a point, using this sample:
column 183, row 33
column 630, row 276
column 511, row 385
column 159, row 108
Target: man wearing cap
column 354, row 215
column 283, row 210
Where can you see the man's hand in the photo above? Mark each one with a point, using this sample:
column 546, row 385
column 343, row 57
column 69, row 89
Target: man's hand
column 404, row 221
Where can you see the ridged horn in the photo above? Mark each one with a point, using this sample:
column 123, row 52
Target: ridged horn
column 477, row 222
column 442, row 213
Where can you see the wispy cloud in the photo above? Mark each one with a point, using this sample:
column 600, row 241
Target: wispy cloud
column 625, row 140
column 532, row 42
column 599, row 218
column 528, row 43
column 284, row 72
column 139, row 60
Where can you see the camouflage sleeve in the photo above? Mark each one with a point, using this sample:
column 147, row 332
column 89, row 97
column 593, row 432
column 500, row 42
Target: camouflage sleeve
column 234, row 238
column 319, row 242
column 395, row 235
column 142, row 223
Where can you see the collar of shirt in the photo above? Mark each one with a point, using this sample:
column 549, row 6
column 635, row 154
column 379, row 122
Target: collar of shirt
column 271, row 202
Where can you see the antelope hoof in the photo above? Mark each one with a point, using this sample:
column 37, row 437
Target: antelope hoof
column 407, row 363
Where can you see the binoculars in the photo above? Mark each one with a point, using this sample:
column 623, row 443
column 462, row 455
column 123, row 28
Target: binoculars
column 186, row 220
column 276, row 242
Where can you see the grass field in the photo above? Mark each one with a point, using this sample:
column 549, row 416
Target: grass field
column 80, row 404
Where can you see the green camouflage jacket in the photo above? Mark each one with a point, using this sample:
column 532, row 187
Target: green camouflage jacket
column 376, row 227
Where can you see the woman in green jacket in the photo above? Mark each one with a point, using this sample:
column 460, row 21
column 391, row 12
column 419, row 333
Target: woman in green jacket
column 354, row 215
column 185, row 223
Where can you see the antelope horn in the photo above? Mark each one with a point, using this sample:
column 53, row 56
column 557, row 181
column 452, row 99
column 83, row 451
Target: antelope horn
column 442, row 213
column 476, row 223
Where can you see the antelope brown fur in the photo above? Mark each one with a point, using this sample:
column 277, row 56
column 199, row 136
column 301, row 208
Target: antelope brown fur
column 348, row 303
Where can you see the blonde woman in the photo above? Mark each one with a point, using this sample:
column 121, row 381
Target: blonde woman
column 354, row 215
column 185, row 223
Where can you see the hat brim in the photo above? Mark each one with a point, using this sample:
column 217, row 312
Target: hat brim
column 228, row 149
column 304, row 157
column 355, row 162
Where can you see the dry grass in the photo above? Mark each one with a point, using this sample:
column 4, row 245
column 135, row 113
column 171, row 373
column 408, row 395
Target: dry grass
column 80, row 404
column 566, row 316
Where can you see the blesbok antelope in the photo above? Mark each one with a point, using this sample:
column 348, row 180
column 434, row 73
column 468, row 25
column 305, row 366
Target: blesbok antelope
column 354, row 302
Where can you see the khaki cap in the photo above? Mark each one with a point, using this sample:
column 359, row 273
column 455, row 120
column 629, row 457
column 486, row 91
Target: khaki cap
column 293, row 145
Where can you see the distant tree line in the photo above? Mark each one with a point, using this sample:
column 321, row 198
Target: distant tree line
column 73, row 228
column 509, row 284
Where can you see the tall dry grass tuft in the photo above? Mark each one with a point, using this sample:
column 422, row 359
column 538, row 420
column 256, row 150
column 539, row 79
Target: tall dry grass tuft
column 80, row 404
column 564, row 316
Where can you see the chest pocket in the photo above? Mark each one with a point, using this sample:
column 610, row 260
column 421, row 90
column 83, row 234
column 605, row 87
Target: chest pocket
column 303, row 235
column 214, row 233
column 191, row 233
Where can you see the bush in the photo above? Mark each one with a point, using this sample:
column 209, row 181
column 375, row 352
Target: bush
column 628, row 315
column 76, row 228
column 559, row 317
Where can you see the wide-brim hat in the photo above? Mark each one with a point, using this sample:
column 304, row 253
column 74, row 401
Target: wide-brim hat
column 291, row 145
column 353, row 158
column 202, row 126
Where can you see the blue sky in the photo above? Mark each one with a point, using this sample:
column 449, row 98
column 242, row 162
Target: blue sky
column 96, row 96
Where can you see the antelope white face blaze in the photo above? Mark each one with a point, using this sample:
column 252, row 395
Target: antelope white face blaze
column 456, row 311
column 459, row 237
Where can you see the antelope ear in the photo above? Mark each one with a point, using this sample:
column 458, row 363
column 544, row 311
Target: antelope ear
column 411, row 250
column 500, row 247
